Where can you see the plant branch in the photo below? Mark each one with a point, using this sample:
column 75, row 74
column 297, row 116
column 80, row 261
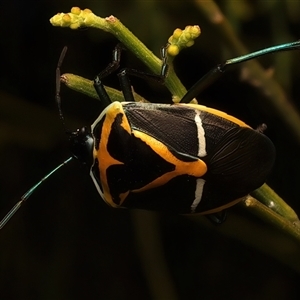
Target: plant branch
column 85, row 18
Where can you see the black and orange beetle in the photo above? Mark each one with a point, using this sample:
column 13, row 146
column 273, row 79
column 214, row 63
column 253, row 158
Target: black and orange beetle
column 184, row 158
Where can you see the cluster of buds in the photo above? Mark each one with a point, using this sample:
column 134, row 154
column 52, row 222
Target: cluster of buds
column 183, row 39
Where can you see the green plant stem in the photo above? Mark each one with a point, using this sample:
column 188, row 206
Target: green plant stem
column 271, row 200
column 78, row 18
column 85, row 86
column 270, row 216
column 132, row 43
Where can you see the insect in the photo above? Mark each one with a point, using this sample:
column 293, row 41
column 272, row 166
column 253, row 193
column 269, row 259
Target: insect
column 184, row 158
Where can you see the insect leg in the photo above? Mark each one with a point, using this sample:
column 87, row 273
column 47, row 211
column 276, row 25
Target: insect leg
column 124, row 75
column 217, row 71
column 58, row 84
column 159, row 78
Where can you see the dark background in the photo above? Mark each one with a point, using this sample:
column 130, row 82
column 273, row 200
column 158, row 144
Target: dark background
column 65, row 243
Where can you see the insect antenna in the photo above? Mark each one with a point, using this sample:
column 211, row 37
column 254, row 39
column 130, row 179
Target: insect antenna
column 58, row 84
column 16, row 207
column 25, row 197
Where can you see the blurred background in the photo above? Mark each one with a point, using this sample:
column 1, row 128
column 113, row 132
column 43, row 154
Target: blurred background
column 65, row 243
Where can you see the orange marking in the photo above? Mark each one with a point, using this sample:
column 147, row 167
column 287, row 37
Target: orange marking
column 195, row 168
column 103, row 156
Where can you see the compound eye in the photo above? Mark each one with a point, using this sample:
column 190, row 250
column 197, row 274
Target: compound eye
column 81, row 145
